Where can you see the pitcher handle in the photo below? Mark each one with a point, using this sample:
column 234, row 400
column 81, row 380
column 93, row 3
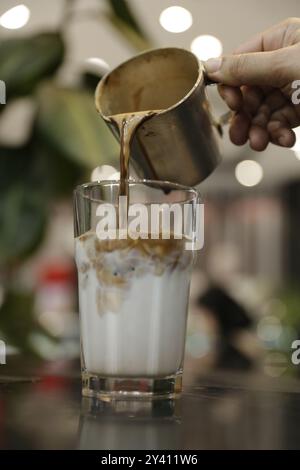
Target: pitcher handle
column 225, row 118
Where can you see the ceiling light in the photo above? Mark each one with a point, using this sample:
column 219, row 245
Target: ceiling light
column 206, row 47
column 176, row 19
column 15, row 18
column 249, row 173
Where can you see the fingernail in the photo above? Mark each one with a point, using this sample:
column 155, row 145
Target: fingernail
column 213, row 65
column 283, row 142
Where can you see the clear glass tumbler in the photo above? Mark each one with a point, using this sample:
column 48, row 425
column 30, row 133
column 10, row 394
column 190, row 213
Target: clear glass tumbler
column 133, row 282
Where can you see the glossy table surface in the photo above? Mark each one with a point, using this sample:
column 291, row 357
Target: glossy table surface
column 45, row 410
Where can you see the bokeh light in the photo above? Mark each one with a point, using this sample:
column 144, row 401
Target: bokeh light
column 249, row 173
column 15, row 17
column 206, row 47
column 176, row 19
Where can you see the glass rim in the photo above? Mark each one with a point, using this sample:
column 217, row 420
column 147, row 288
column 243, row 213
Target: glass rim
column 79, row 190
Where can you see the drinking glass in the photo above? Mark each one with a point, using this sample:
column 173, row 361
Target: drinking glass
column 133, row 283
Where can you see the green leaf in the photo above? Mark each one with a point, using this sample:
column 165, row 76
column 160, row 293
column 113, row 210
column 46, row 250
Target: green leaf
column 52, row 173
column 135, row 39
column 22, row 222
column 14, row 164
column 122, row 10
column 123, row 20
column 68, row 121
column 22, row 204
column 24, row 62
column 30, row 177
column 18, row 320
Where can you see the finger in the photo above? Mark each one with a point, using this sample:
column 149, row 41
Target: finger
column 252, row 99
column 239, row 128
column 259, row 68
column 255, row 44
column 262, row 116
column 259, row 138
column 269, row 40
column 275, row 100
column 280, row 135
column 232, row 96
column 275, row 107
column 288, row 115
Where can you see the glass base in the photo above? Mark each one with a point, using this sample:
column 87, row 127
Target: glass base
column 114, row 388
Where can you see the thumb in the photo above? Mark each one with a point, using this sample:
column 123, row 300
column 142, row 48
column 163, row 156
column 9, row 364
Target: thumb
column 259, row 68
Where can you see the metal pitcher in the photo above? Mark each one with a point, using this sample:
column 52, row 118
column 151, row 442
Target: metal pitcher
column 180, row 144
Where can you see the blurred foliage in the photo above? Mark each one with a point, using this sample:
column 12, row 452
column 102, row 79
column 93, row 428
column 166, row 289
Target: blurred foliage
column 290, row 297
column 22, row 219
column 68, row 121
column 122, row 18
column 278, row 350
column 122, row 11
column 24, row 62
column 18, row 307
column 66, row 141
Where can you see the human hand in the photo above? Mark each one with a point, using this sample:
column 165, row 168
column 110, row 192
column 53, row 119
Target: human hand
column 256, row 83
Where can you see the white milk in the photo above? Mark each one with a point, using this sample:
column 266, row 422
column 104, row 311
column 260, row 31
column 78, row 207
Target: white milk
column 133, row 306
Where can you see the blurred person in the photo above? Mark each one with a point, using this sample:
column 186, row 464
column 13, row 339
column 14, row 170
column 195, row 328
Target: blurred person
column 236, row 346
column 260, row 82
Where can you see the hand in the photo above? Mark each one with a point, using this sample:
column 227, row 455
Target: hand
column 256, row 83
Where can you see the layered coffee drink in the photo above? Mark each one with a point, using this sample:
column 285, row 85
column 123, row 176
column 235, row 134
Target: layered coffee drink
column 133, row 302
column 133, row 286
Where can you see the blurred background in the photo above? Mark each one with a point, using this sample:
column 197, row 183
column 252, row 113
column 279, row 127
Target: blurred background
column 245, row 298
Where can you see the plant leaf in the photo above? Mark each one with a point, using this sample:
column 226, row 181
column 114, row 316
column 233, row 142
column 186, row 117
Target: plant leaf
column 123, row 20
column 122, row 10
column 68, row 121
column 22, row 222
column 53, row 173
column 18, row 321
column 24, row 62
column 135, row 40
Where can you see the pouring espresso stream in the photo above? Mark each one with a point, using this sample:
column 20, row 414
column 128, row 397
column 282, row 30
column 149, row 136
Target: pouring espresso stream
column 127, row 125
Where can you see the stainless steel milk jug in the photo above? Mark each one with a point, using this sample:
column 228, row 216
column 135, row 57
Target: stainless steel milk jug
column 179, row 144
